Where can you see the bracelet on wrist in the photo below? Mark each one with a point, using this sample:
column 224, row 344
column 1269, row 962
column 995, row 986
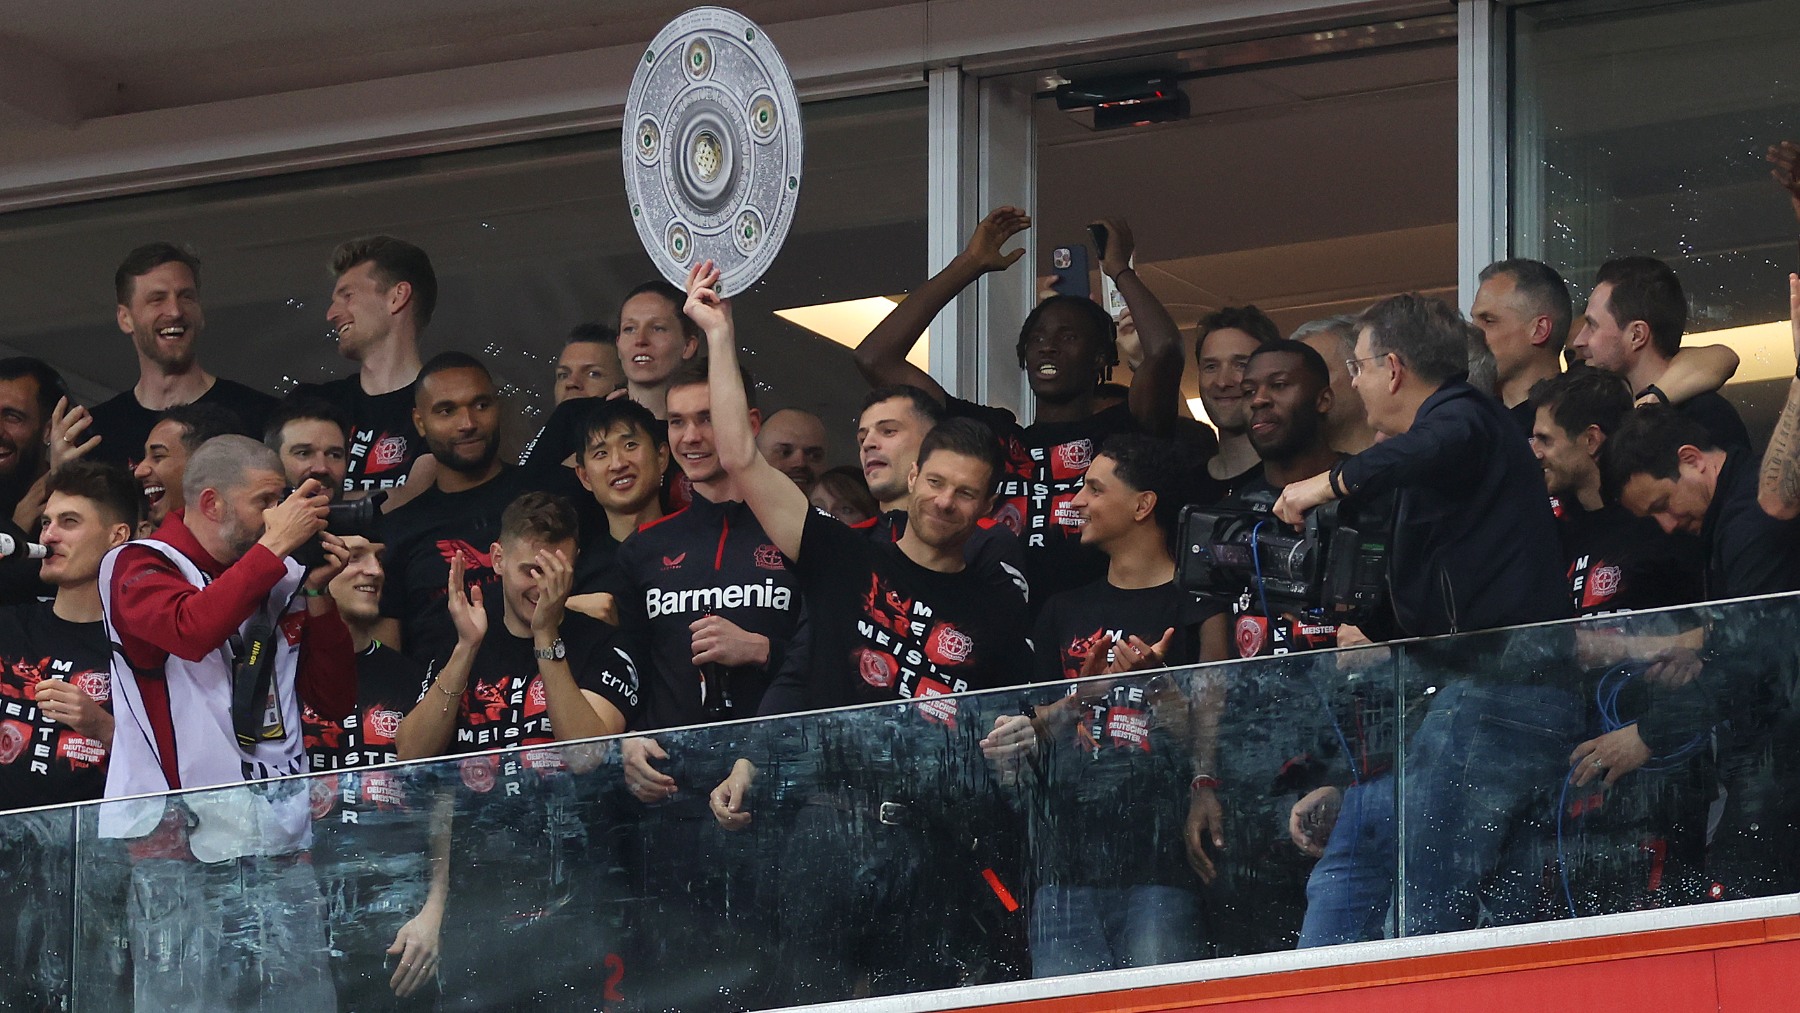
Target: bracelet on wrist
column 313, row 592
column 1204, row 781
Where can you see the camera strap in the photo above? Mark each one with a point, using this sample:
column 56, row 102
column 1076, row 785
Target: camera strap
column 255, row 711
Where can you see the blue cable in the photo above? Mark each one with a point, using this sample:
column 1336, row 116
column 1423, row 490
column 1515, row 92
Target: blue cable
column 1562, row 863
column 1606, row 703
column 1324, row 701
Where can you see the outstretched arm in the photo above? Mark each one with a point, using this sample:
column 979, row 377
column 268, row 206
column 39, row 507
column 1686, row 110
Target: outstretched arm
column 1696, row 370
column 778, row 503
column 1156, row 381
column 882, row 355
column 1779, row 491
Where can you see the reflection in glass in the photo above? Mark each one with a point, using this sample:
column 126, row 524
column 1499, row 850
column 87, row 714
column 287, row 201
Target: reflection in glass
column 1642, row 132
column 1365, row 793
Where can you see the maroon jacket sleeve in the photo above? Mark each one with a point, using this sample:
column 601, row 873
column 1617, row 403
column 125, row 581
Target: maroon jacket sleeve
column 158, row 613
column 326, row 680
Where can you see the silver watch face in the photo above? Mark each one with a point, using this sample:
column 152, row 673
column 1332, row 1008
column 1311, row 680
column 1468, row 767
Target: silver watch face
column 712, row 148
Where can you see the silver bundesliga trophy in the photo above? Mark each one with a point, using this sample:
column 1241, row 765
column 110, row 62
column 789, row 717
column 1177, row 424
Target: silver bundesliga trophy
column 712, row 148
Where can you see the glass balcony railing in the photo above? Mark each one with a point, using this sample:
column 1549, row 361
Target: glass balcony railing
column 1185, row 814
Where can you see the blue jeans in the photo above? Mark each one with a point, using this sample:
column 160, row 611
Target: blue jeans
column 1077, row 929
column 1350, row 894
column 1483, row 773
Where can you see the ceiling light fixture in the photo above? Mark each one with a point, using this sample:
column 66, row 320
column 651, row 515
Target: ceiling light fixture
column 849, row 321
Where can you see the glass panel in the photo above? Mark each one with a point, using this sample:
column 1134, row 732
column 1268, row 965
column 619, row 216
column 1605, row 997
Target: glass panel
column 1642, row 131
column 528, row 240
column 884, row 851
column 1506, row 814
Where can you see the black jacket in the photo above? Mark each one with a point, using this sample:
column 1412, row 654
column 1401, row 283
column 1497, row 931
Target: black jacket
column 709, row 559
column 1475, row 544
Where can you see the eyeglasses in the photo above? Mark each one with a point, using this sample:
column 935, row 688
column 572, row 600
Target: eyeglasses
column 1355, row 366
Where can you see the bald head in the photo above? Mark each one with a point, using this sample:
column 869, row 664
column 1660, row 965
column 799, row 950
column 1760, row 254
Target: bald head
column 224, row 464
column 793, row 441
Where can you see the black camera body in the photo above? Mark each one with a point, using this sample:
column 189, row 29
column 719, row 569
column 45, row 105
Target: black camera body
column 356, row 517
column 1334, row 569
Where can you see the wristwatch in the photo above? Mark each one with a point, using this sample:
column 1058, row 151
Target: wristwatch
column 554, row 652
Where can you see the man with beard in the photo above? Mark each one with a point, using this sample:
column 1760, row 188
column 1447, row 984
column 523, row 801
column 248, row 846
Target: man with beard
column 793, row 440
column 31, row 394
column 1616, row 561
column 1067, row 347
column 893, row 423
column 381, row 303
column 177, row 434
column 1523, row 311
column 889, row 622
column 158, row 289
column 457, row 412
column 56, row 727
column 1288, row 397
column 311, row 434
column 1227, row 340
column 180, row 608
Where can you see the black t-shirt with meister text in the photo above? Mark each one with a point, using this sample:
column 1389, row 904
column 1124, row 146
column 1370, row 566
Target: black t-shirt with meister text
column 388, row 683
column 885, row 628
column 993, row 551
column 1116, row 779
column 1045, row 463
column 422, row 538
column 384, row 443
column 504, row 704
column 1618, row 561
column 123, row 424
column 367, row 820
column 45, row 762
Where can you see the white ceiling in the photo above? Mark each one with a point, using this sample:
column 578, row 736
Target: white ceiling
column 77, row 59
